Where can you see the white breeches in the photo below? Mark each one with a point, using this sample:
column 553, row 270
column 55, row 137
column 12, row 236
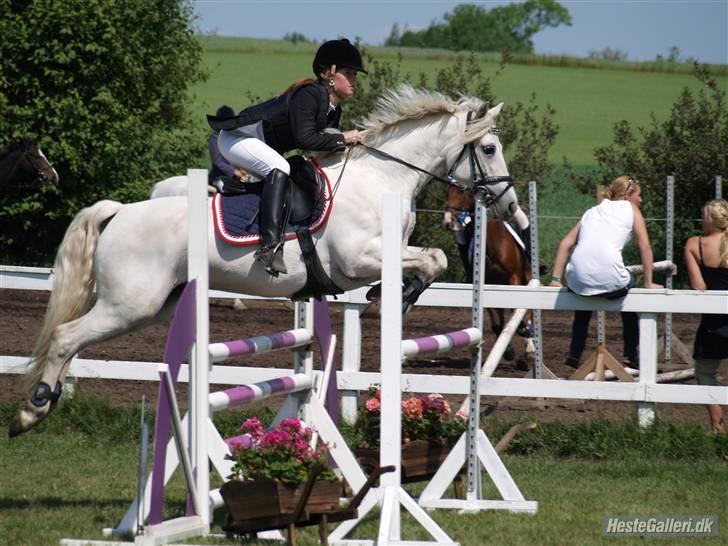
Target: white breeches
column 251, row 154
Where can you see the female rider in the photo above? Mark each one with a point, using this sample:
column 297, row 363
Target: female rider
column 256, row 138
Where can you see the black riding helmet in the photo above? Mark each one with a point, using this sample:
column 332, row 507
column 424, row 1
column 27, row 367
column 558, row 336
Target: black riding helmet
column 341, row 52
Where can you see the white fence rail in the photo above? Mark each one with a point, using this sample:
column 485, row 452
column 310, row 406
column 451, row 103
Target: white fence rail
column 646, row 302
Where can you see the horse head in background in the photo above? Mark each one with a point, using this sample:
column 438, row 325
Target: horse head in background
column 22, row 165
column 506, row 262
column 136, row 254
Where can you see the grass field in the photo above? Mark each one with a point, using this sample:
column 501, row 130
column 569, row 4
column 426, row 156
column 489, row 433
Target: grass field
column 78, row 475
column 588, row 101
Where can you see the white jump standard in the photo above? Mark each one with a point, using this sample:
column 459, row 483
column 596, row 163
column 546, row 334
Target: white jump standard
column 390, row 495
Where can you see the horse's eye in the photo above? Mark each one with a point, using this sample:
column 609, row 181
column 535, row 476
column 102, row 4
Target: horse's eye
column 489, row 149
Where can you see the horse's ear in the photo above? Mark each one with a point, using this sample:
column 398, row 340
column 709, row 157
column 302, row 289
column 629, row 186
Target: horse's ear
column 493, row 112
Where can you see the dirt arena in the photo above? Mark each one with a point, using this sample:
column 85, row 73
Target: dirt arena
column 21, row 312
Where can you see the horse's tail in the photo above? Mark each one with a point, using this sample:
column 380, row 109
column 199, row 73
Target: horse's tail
column 74, row 279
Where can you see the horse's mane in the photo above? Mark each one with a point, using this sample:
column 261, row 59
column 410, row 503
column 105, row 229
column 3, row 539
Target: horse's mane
column 405, row 102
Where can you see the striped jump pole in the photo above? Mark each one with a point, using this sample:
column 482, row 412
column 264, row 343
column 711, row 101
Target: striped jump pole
column 245, row 394
column 442, row 343
column 289, row 339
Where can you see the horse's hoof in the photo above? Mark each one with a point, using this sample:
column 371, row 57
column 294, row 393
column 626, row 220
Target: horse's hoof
column 509, row 354
column 374, row 293
column 522, row 365
column 26, row 419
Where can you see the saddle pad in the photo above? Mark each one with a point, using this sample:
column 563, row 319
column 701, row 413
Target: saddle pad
column 236, row 223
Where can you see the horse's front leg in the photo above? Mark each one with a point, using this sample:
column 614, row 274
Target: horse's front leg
column 425, row 264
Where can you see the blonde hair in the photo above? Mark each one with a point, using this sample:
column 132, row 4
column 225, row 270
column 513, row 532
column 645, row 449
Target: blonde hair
column 716, row 212
column 621, row 186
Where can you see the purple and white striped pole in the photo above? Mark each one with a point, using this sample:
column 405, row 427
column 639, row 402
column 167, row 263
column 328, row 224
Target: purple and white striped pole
column 243, row 394
column 261, row 344
column 442, row 343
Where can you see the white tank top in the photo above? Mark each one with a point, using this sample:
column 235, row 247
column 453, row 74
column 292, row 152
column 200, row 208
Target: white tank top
column 596, row 265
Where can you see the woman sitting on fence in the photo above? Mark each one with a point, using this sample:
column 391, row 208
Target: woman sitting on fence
column 596, row 267
column 706, row 259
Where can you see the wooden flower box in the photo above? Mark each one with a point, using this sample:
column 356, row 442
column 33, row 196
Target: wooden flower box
column 247, row 500
column 420, row 459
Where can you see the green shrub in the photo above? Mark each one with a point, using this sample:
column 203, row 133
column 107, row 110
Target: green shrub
column 103, row 86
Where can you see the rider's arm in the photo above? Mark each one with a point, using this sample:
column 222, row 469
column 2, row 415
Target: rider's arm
column 643, row 243
column 304, row 109
column 562, row 254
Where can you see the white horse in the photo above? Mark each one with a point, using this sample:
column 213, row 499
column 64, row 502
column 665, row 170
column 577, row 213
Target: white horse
column 136, row 253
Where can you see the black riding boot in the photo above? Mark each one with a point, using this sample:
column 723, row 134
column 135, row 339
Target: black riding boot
column 273, row 215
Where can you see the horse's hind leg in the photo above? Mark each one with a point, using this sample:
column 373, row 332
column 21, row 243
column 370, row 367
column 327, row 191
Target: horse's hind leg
column 102, row 322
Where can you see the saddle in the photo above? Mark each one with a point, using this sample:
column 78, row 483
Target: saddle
column 235, row 211
column 236, row 219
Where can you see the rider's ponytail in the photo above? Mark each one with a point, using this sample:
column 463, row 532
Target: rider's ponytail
column 297, row 84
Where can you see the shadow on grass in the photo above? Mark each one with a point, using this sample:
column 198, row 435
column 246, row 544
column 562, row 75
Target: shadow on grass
column 8, row 503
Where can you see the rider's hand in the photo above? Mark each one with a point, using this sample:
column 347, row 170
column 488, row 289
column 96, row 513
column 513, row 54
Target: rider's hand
column 240, row 173
column 653, row 285
column 353, row 137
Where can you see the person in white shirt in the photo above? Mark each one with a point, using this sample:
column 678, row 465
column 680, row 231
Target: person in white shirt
column 596, row 267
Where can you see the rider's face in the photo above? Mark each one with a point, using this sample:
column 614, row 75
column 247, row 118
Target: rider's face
column 344, row 83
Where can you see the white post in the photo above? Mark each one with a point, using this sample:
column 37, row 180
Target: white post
column 669, row 243
column 474, row 483
column 391, row 352
column 351, row 358
column 648, row 365
column 533, row 219
column 199, row 392
column 718, row 187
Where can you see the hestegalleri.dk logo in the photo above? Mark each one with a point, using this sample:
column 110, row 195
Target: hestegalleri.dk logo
column 697, row 526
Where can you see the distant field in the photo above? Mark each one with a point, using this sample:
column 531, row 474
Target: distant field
column 588, row 101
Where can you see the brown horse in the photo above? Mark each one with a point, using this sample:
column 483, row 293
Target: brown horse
column 23, row 165
column 506, row 261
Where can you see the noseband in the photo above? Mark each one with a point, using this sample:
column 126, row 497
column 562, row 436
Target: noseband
column 480, row 179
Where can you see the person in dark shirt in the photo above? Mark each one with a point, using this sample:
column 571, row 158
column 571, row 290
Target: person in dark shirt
column 222, row 172
column 706, row 259
column 256, row 138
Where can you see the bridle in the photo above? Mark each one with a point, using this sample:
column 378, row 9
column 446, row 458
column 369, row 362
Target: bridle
column 481, row 181
column 31, row 155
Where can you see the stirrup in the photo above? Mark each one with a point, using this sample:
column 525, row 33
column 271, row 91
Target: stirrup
column 272, row 259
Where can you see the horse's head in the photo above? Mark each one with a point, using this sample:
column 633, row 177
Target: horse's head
column 459, row 209
column 479, row 165
column 24, row 164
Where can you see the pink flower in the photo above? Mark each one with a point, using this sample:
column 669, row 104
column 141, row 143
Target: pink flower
column 293, row 425
column 254, row 427
column 373, row 405
column 412, row 408
column 435, row 403
column 462, row 414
